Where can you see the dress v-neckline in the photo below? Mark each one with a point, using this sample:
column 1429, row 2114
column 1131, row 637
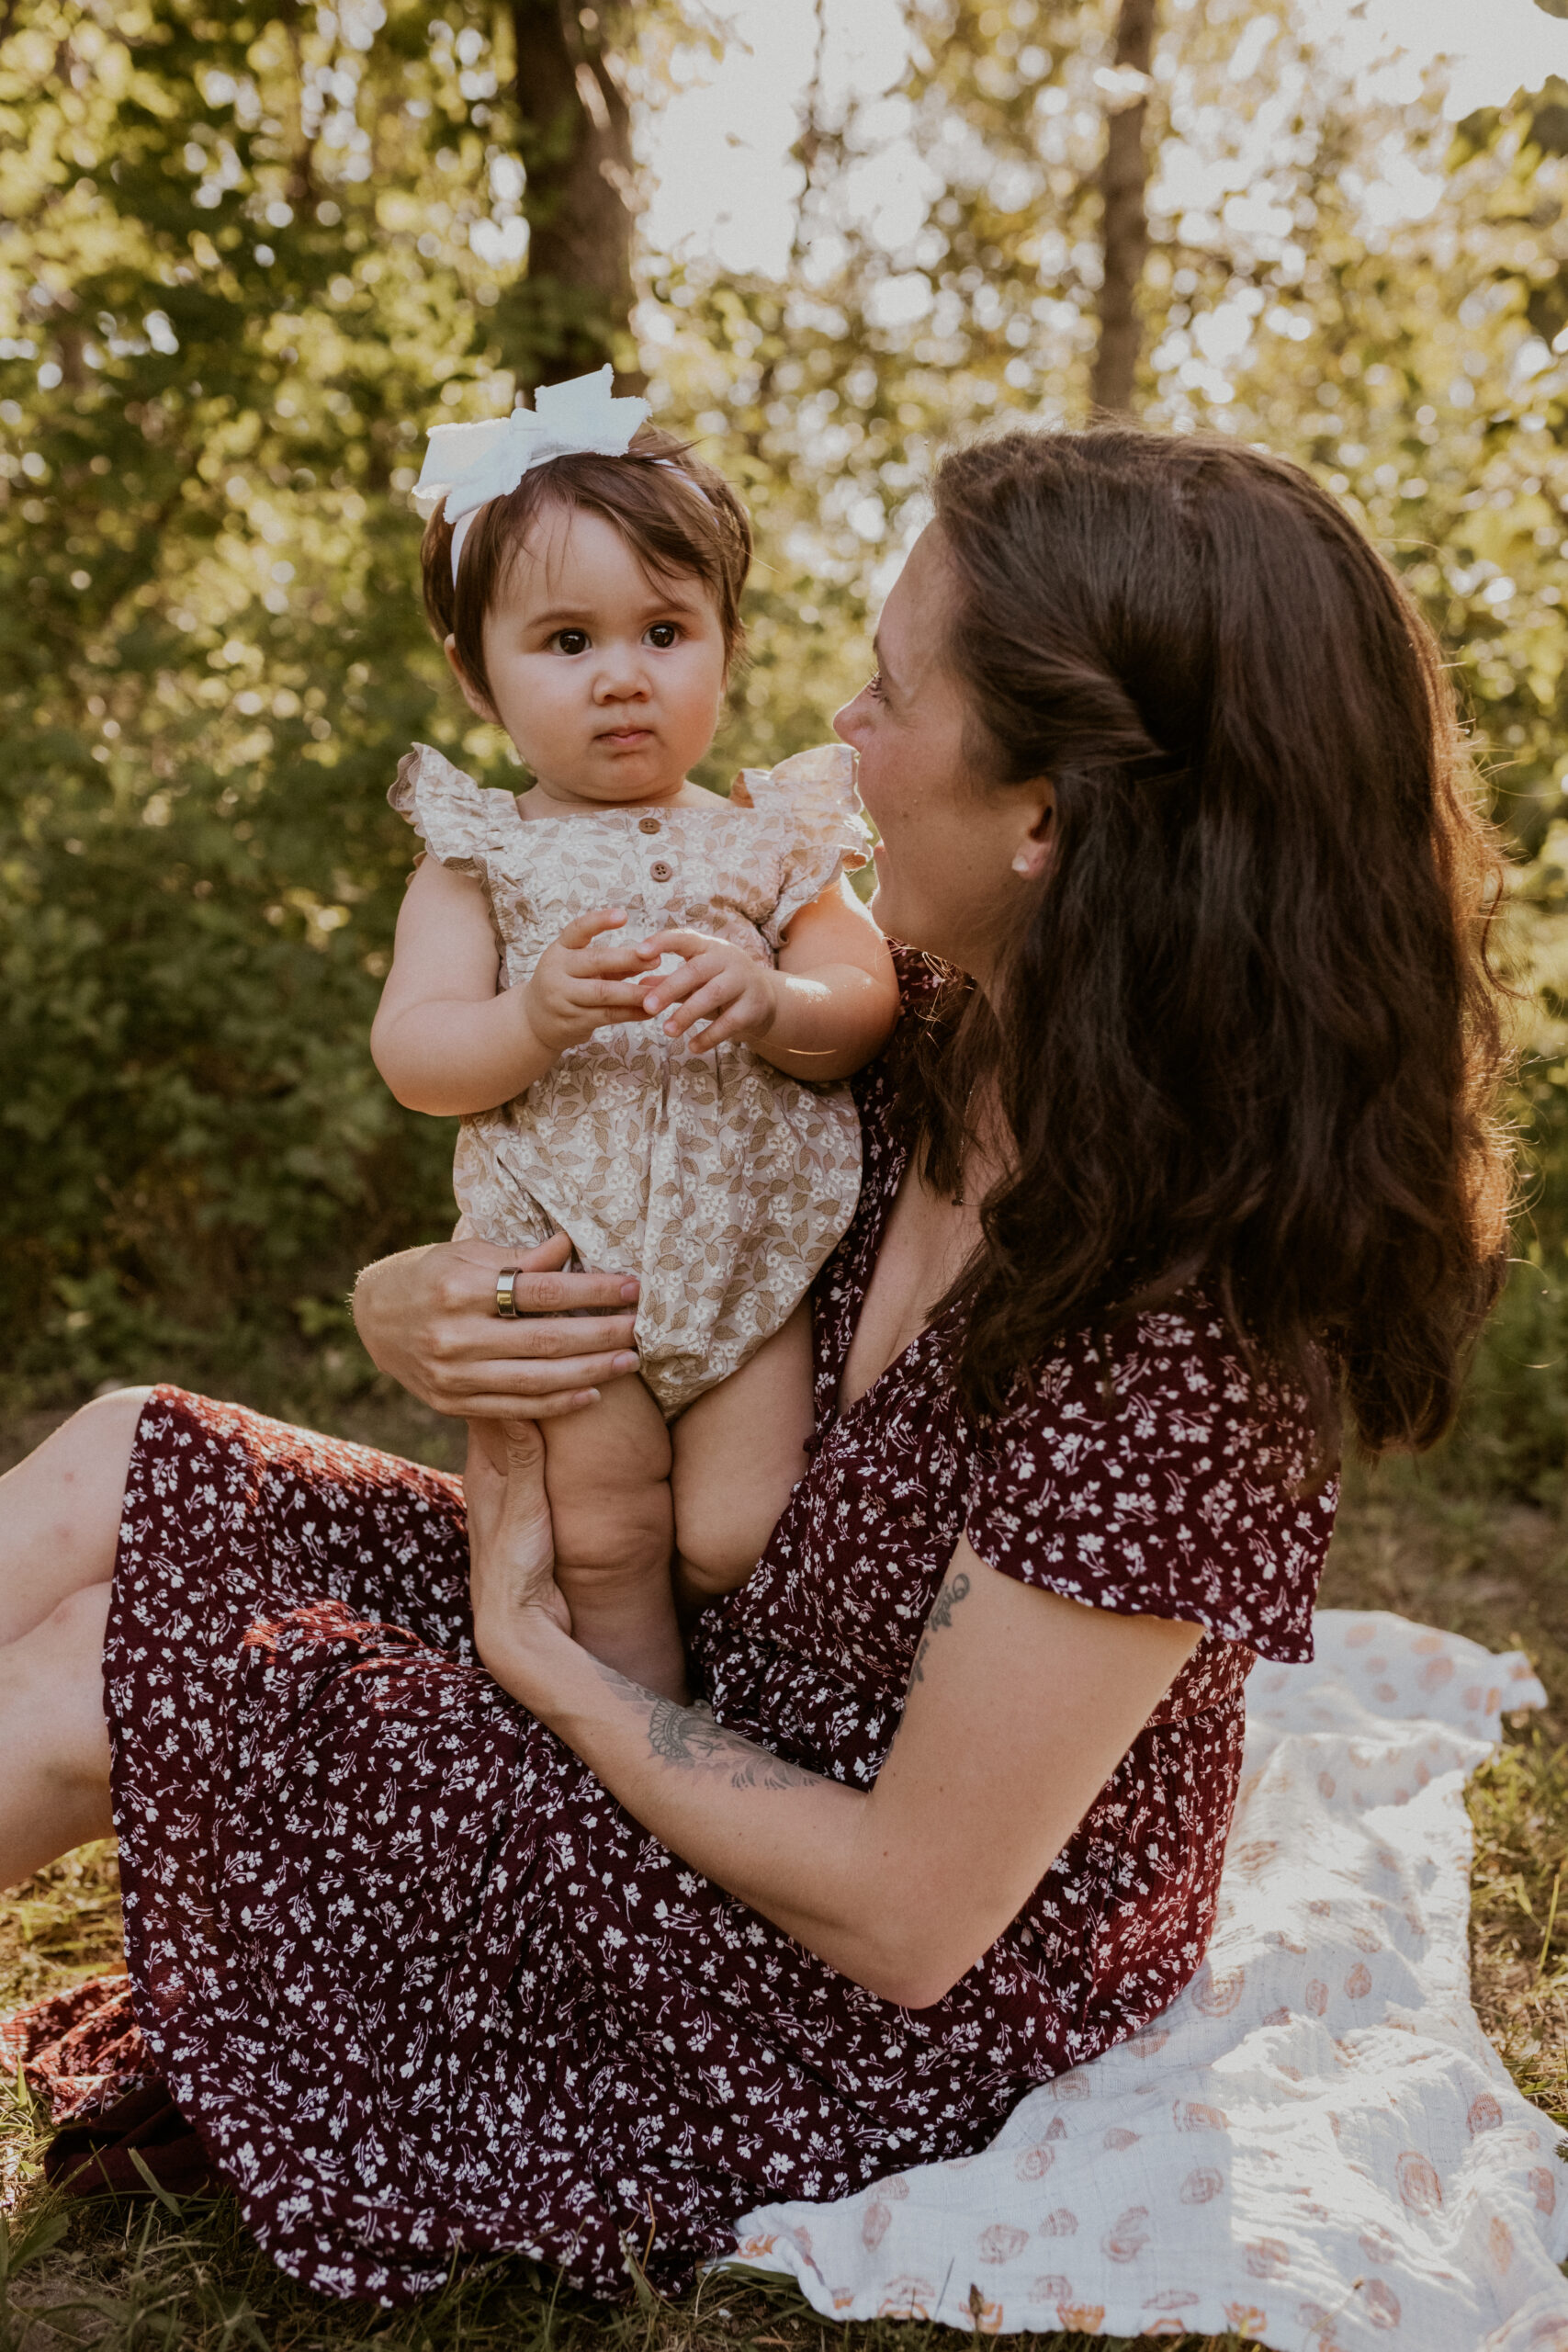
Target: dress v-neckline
column 843, row 1414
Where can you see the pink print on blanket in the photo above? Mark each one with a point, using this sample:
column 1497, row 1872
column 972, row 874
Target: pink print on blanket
column 1315, row 2144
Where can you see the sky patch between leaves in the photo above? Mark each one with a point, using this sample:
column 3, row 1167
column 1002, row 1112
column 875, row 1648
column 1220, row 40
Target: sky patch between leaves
column 723, row 182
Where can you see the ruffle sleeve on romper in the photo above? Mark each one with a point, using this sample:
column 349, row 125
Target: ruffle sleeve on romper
column 446, row 808
column 812, row 794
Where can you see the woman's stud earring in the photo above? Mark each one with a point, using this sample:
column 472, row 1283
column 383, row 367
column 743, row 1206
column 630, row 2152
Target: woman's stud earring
column 1022, row 861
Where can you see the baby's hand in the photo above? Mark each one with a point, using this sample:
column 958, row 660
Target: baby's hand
column 720, row 983
column 577, row 987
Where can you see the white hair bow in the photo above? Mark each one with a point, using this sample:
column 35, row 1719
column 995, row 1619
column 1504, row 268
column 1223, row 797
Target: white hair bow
column 470, row 464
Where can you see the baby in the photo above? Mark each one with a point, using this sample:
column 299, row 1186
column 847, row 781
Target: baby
column 642, row 999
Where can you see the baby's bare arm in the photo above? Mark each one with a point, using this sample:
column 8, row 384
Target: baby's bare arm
column 448, row 1039
column 829, row 1006
column 444, row 1038
column 839, row 993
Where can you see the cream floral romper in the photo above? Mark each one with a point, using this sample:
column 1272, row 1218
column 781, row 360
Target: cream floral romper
column 721, row 1183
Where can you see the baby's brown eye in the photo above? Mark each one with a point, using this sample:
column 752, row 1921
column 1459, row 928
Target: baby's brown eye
column 573, row 641
column 663, row 634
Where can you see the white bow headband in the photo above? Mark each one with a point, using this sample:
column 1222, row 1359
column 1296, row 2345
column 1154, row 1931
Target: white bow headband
column 470, row 464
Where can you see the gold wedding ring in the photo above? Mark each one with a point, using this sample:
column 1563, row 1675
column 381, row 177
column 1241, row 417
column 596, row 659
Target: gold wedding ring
column 506, row 1293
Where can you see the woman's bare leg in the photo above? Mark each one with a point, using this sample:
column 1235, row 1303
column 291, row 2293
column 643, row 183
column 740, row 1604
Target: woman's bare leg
column 54, row 1744
column 60, row 1513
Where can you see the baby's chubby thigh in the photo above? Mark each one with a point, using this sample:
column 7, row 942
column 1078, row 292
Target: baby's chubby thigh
column 607, row 1475
column 739, row 1452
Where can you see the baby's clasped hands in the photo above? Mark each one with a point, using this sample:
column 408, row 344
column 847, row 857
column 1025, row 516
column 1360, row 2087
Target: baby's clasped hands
column 578, row 986
column 718, row 983
column 583, row 982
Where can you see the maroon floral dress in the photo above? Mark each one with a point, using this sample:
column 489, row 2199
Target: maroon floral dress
column 422, row 1987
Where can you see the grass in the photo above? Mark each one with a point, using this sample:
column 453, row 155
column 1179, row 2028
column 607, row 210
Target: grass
column 185, row 2276
column 1497, row 1571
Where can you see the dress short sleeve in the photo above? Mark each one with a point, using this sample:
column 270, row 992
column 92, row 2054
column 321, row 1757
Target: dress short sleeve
column 1152, row 1473
column 811, row 797
column 446, row 808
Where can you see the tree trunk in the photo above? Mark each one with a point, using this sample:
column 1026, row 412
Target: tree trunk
column 575, row 146
column 1123, row 178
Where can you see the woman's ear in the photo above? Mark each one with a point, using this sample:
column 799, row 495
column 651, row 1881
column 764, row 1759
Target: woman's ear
column 477, row 702
column 1032, row 854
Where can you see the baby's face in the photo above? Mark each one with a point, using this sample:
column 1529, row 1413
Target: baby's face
column 608, row 679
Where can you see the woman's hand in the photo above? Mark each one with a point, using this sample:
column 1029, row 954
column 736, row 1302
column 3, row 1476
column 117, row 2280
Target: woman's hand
column 512, row 1583
column 427, row 1318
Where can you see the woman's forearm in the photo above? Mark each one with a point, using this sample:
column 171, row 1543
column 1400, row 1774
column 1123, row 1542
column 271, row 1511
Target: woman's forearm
column 791, row 1844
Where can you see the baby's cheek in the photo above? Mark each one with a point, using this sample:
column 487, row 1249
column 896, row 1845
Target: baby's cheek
column 543, row 711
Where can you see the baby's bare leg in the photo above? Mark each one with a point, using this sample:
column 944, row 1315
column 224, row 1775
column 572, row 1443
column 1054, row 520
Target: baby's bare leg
column 739, row 1451
column 607, row 1476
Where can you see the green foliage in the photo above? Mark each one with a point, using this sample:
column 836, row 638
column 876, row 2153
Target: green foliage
column 250, row 253
column 238, row 280
column 1512, row 1436
column 1303, row 290
column 1513, row 1432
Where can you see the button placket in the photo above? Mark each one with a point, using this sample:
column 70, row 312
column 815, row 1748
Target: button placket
column 667, row 918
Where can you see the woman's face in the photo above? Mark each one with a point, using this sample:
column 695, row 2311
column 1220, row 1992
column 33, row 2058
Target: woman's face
column 957, row 855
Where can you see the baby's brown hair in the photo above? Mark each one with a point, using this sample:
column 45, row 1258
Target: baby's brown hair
column 679, row 515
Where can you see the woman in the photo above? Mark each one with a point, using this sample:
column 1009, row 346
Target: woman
column 1198, row 1156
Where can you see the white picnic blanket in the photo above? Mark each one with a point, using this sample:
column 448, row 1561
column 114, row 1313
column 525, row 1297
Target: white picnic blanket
column 1315, row 2145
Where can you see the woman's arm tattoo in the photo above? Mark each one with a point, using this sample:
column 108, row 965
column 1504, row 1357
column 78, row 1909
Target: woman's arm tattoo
column 692, row 1739
column 954, row 1590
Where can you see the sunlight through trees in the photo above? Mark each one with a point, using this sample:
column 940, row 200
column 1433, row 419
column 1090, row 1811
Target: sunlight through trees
column 250, row 256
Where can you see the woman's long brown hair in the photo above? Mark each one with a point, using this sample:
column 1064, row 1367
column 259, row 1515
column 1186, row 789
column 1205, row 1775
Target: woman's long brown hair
column 1247, row 1034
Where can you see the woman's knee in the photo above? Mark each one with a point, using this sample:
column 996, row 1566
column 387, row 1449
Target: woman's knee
column 89, row 1456
column 104, row 1428
column 54, row 1791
